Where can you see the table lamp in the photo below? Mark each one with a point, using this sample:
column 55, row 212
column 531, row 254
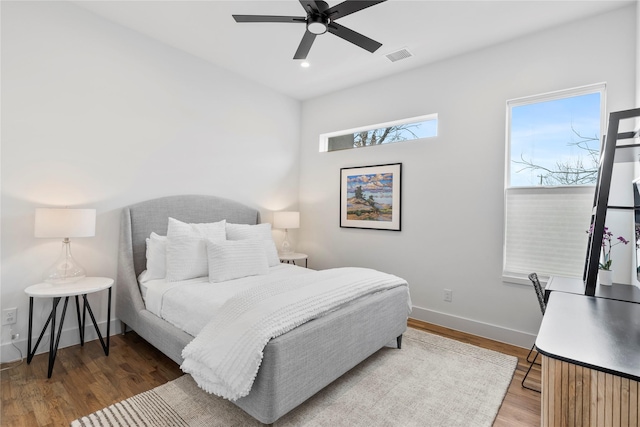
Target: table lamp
column 286, row 220
column 65, row 223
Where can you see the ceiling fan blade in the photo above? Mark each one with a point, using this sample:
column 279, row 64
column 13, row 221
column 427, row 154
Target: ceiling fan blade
column 305, row 45
column 356, row 38
column 266, row 18
column 310, row 6
column 350, row 6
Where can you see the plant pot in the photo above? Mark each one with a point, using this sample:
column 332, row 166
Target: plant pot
column 605, row 277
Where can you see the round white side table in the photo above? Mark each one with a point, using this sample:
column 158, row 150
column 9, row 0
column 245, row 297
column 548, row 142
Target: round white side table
column 82, row 287
column 293, row 257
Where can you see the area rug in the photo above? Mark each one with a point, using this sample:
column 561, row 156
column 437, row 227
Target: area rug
column 431, row 381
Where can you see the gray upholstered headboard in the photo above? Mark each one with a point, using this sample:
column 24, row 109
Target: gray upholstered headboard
column 153, row 215
column 136, row 224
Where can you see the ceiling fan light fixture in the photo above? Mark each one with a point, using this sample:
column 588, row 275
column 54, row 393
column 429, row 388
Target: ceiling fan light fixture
column 316, row 24
column 320, row 19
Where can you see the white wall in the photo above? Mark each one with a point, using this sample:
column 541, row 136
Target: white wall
column 96, row 115
column 452, row 195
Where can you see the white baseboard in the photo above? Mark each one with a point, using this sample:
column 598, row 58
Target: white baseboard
column 485, row 330
column 69, row 337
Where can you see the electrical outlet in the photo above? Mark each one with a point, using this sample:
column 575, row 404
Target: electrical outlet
column 448, row 295
column 9, row 316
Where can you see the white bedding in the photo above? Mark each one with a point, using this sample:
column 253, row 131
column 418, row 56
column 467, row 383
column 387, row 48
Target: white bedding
column 200, row 298
column 225, row 356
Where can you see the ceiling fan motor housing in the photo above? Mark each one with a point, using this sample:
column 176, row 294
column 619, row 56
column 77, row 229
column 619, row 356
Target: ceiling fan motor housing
column 317, row 24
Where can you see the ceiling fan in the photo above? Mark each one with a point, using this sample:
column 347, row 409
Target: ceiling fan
column 320, row 19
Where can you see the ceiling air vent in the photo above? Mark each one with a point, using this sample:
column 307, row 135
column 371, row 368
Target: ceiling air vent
column 398, row 55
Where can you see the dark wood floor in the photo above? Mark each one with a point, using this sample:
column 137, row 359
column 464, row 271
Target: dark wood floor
column 85, row 380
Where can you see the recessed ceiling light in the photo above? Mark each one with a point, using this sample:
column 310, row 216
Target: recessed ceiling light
column 304, row 64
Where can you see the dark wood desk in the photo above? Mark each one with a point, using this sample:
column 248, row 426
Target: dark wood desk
column 591, row 361
column 575, row 285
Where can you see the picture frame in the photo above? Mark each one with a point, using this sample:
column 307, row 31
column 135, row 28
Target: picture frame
column 370, row 197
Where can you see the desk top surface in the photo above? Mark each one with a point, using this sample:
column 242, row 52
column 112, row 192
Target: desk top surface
column 597, row 333
column 575, row 285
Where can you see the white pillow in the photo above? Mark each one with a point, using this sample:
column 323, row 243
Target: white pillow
column 210, row 230
column 156, row 258
column 236, row 259
column 187, row 250
column 256, row 232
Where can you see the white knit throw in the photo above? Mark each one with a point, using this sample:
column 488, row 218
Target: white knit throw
column 225, row 356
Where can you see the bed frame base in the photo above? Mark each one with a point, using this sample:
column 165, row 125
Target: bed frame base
column 303, row 361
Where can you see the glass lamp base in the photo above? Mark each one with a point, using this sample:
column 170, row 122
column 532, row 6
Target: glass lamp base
column 286, row 246
column 65, row 269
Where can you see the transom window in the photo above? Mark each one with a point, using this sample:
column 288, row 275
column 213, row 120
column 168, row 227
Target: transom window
column 383, row 133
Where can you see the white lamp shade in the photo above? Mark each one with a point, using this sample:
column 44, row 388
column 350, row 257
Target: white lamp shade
column 61, row 222
column 286, row 219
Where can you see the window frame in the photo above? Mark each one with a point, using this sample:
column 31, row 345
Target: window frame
column 522, row 278
column 324, row 137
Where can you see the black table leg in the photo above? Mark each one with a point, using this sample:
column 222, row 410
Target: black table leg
column 29, row 354
column 108, row 323
column 44, row 328
column 52, row 340
column 105, row 345
column 54, row 347
column 84, row 310
column 80, row 325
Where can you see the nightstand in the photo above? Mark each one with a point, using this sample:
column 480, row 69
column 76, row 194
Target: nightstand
column 293, row 257
column 82, row 287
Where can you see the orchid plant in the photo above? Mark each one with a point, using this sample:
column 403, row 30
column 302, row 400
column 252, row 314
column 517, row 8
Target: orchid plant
column 608, row 243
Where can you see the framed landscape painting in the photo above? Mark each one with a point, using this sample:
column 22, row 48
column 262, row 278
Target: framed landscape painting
column 370, row 197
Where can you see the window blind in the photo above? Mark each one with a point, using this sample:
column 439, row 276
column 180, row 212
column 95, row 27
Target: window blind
column 545, row 230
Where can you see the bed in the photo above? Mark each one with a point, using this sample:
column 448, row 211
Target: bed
column 296, row 364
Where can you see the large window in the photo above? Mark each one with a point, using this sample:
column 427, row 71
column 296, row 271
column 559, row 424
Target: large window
column 383, row 133
column 553, row 152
